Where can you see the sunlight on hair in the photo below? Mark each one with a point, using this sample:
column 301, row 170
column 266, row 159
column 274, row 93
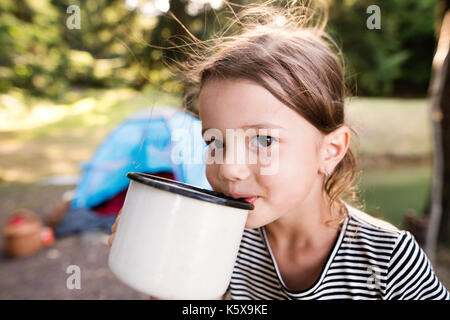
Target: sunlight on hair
column 149, row 9
column 194, row 7
column 153, row 8
column 131, row 4
column 280, row 21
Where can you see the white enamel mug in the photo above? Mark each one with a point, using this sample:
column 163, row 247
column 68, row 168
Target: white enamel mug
column 175, row 240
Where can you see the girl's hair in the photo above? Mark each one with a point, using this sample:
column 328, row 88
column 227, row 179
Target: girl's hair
column 285, row 50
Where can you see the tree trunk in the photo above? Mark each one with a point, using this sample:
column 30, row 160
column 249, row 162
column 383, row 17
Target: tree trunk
column 444, row 228
column 439, row 219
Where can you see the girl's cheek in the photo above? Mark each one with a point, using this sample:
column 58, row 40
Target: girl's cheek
column 269, row 162
column 211, row 175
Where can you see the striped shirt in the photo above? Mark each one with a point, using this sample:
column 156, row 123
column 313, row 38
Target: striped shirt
column 370, row 259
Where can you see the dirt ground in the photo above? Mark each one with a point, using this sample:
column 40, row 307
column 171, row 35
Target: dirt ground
column 44, row 275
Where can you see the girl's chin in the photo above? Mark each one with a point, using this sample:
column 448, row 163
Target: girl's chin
column 252, row 225
column 252, row 222
column 255, row 217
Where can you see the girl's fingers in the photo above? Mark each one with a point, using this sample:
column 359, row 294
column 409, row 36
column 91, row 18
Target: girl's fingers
column 114, row 226
column 111, row 239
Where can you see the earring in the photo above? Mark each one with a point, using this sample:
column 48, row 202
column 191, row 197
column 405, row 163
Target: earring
column 327, row 173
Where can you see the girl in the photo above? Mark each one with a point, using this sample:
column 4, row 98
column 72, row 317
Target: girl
column 281, row 76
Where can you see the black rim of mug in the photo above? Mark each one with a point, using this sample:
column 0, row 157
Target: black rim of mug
column 189, row 190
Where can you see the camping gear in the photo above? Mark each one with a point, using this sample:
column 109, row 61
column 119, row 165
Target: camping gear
column 24, row 234
column 152, row 140
column 177, row 241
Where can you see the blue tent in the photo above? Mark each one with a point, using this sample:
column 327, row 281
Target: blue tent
column 152, row 140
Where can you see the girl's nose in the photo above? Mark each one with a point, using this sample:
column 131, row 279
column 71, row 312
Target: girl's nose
column 234, row 172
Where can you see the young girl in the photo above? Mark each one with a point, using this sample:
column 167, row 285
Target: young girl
column 302, row 240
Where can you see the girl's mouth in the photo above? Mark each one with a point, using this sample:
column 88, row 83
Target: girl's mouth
column 251, row 199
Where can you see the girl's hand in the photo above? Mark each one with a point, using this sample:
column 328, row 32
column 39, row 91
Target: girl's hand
column 113, row 229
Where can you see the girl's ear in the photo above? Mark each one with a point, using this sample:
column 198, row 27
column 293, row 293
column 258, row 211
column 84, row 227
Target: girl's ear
column 334, row 148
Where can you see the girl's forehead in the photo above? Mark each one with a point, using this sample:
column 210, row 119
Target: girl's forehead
column 238, row 98
column 243, row 103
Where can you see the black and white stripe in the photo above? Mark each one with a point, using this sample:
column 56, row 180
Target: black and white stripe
column 371, row 259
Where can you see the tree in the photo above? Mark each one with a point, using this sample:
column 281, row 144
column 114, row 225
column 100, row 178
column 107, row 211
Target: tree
column 439, row 218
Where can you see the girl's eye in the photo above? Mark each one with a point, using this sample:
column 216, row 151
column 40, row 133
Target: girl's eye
column 214, row 143
column 262, row 141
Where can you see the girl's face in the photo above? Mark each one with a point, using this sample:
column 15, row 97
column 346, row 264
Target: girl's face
column 294, row 154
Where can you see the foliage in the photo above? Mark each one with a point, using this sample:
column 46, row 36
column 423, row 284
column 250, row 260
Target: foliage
column 120, row 47
column 395, row 59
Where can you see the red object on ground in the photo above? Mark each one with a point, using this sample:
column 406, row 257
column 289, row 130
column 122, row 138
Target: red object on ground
column 47, row 236
column 16, row 220
column 22, row 233
column 113, row 205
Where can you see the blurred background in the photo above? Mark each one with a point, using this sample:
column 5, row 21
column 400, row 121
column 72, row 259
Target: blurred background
column 66, row 83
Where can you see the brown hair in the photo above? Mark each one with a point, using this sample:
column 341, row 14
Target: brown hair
column 287, row 51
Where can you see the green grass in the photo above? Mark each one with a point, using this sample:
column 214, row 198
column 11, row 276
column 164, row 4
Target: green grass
column 389, row 192
column 394, row 126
